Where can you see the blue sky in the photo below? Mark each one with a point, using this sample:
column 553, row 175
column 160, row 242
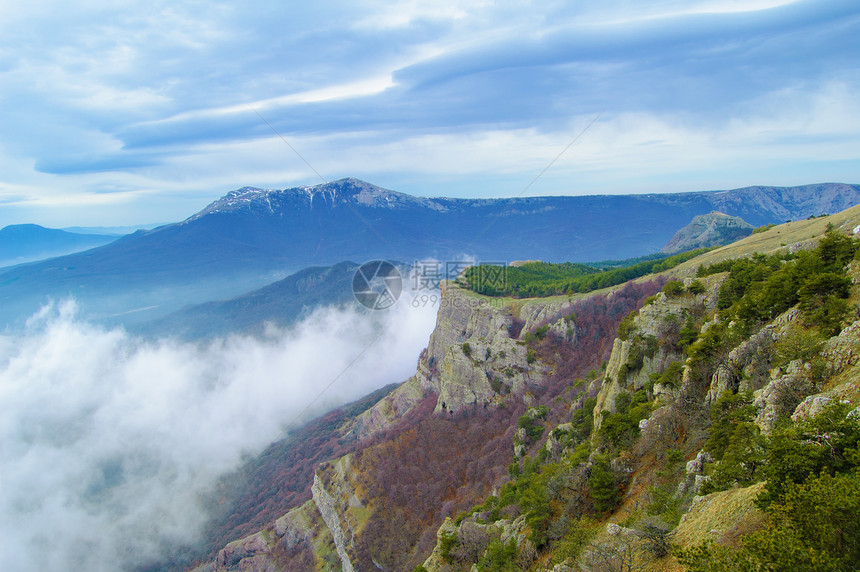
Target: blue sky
column 128, row 112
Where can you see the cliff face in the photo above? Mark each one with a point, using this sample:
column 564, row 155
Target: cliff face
column 475, row 359
column 430, row 483
column 474, row 356
column 651, row 344
column 685, row 374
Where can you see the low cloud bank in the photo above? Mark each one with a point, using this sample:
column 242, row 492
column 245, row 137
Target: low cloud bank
column 108, row 443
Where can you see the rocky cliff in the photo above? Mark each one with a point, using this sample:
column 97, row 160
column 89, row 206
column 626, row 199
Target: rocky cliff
column 673, row 435
column 659, row 468
column 476, row 358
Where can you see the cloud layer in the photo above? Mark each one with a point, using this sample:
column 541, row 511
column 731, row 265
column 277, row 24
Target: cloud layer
column 118, row 111
column 107, row 443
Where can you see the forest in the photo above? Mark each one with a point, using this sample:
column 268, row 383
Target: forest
column 541, row 279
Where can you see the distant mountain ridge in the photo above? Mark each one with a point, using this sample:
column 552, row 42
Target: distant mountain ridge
column 22, row 243
column 278, row 304
column 252, row 237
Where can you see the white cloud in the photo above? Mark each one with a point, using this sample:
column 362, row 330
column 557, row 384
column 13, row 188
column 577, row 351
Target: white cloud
column 108, row 442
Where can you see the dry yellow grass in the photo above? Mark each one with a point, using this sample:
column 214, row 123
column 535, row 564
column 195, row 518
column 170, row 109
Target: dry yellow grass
column 778, row 238
column 722, row 517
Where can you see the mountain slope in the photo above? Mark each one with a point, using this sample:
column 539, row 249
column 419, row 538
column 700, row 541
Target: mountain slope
column 279, row 304
column 252, row 237
column 598, row 451
column 704, row 231
column 23, row 243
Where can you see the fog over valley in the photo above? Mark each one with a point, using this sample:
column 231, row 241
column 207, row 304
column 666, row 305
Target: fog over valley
column 111, row 443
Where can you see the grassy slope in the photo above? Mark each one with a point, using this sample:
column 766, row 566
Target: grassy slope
column 771, row 241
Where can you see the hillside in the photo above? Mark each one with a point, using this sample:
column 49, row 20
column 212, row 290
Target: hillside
column 620, row 427
column 253, row 237
column 705, row 231
column 22, row 243
column 279, row 304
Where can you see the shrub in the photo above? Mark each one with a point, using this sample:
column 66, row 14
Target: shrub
column 664, row 504
column 626, row 327
column 763, row 228
column 729, row 411
column 816, row 527
column 447, row 543
column 603, row 487
column 673, row 288
column 621, row 428
column 577, row 537
column 798, row 343
column 688, row 334
column 736, row 442
column 672, row 375
column 533, row 427
column 499, row 557
column 655, row 537
column 696, row 287
column 583, row 420
column 829, row 443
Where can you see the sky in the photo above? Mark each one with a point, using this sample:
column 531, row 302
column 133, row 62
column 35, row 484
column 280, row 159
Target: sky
column 130, row 112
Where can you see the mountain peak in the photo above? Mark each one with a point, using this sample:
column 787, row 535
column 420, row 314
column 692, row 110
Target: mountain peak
column 346, row 187
column 706, row 230
column 348, row 190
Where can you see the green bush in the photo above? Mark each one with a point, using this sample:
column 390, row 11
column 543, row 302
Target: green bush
column 761, row 287
column 499, row 557
column 688, row 334
column 736, row 442
column 798, row 343
column 665, row 504
column 603, row 486
column 537, row 335
column 729, row 411
column 626, row 327
column 673, row 288
column 583, row 420
column 672, row 375
column 447, row 543
column 829, row 443
column 576, row 538
column 620, row 429
column 816, row 527
column 763, row 228
column 696, row 287
column 533, row 427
